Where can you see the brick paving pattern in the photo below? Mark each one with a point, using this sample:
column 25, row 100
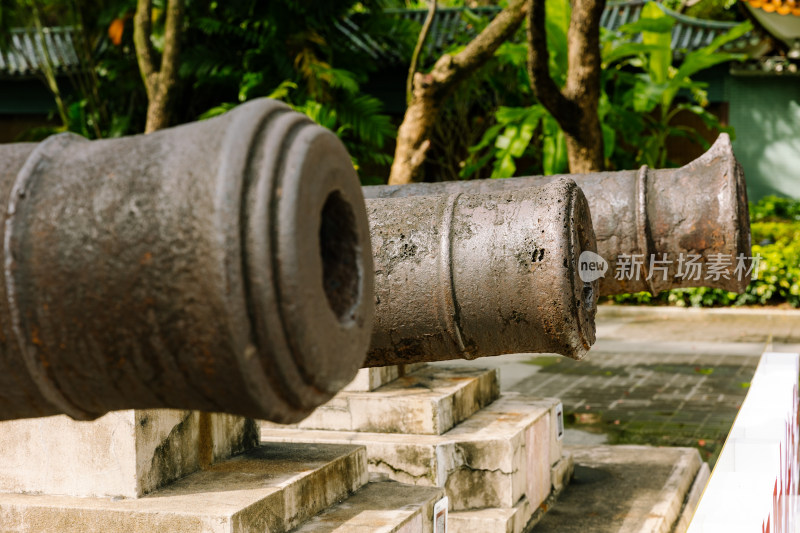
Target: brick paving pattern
column 686, row 399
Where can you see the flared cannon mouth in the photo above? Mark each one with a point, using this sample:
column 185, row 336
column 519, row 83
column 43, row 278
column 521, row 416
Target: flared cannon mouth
column 307, row 262
column 586, row 288
column 711, row 219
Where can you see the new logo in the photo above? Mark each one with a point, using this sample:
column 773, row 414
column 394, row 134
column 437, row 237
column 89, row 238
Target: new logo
column 591, row 266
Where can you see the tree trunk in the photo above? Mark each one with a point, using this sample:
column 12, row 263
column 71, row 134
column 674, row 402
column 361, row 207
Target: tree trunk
column 431, row 90
column 574, row 107
column 160, row 82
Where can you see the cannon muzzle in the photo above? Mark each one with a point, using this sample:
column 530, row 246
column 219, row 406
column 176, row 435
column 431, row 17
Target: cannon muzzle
column 473, row 275
column 220, row 266
column 657, row 229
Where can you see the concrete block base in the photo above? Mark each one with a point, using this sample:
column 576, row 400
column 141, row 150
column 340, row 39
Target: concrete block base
column 429, row 401
column 495, row 457
column 512, row 519
column 124, row 454
column 494, row 520
column 369, row 379
column 380, row 507
column 274, row 487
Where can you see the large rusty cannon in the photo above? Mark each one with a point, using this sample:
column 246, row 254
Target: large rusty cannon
column 471, row 275
column 218, row 266
column 652, row 226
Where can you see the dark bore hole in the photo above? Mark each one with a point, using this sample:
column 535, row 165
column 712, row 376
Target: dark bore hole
column 338, row 246
column 588, row 296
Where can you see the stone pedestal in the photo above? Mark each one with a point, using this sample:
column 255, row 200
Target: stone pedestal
column 499, row 457
column 145, row 471
column 124, row 454
column 273, row 487
column 428, row 401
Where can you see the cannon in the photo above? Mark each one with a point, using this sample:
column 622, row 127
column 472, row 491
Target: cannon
column 653, row 227
column 473, row 275
column 222, row 266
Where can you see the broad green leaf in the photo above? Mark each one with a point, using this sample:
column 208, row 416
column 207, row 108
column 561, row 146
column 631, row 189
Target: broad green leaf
column 488, row 138
column 731, row 35
column 504, row 167
column 554, row 148
column 647, row 95
column 694, row 63
column 652, row 23
column 661, row 58
column 506, row 115
column 627, row 50
column 520, row 124
column 504, row 140
column 708, row 56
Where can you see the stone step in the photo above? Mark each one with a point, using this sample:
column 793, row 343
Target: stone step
column 274, row 487
column 515, row 519
column 369, row 379
column 429, row 401
column 498, row 455
column 494, row 520
column 624, row 488
column 379, row 507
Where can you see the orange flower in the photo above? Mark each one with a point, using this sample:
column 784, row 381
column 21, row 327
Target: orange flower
column 115, row 30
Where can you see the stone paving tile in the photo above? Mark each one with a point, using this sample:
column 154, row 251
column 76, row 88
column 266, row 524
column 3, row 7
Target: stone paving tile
column 656, row 375
column 685, row 399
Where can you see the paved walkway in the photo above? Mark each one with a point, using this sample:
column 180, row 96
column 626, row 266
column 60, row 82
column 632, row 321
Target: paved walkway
column 661, row 376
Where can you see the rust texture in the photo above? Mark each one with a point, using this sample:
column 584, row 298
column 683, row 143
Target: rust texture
column 472, row 275
column 699, row 209
column 218, row 266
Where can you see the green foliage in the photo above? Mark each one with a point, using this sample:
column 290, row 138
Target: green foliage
column 775, row 209
column 775, row 230
column 246, row 49
column 642, row 93
column 658, row 82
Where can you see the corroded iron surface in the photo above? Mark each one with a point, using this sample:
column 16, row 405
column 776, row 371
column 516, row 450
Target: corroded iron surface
column 472, row 275
column 218, row 266
column 697, row 210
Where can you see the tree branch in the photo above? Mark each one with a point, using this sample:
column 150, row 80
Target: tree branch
column 172, row 40
column 430, row 91
column 482, row 48
column 583, row 72
column 544, row 88
column 142, row 29
column 423, row 35
column 574, row 107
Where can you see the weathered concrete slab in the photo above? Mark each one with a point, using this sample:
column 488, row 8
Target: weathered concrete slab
column 274, row 488
column 122, row 454
column 514, row 519
column 379, row 507
column 492, row 459
column 369, row 379
column 561, row 472
column 429, row 401
column 692, row 499
column 623, row 489
column 494, row 520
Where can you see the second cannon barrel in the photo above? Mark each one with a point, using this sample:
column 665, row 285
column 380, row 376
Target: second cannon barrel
column 466, row 276
column 657, row 229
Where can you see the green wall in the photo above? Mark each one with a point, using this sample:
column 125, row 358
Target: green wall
column 765, row 112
